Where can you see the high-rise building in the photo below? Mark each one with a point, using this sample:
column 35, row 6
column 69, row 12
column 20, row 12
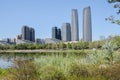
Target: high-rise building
column 54, row 32
column 25, row 33
column 28, row 33
column 74, row 26
column 87, row 26
column 59, row 34
column 66, row 32
column 32, row 34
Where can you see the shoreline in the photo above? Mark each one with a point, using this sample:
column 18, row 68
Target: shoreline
column 36, row 51
column 29, row 51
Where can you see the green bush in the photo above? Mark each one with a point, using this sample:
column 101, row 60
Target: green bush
column 78, row 70
column 51, row 73
column 3, row 71
column 113, row 72
column 24, row 70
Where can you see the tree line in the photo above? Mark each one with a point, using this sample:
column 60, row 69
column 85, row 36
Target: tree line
column 62, row 46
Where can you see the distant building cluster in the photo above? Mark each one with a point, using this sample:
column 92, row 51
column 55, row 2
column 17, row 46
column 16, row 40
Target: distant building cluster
column 69, row 31
column 27, row 35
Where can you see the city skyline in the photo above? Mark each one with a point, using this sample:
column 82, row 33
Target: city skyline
column 42, row 16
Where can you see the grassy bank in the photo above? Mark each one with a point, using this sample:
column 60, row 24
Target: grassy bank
column 68, row 65
column 44, row 50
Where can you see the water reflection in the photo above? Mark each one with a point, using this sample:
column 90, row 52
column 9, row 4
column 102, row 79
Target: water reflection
column 6, row 59
column 5, row 63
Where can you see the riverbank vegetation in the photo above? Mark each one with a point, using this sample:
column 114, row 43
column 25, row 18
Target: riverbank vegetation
column 63, row 46
column 98, row 60
column 83, row 65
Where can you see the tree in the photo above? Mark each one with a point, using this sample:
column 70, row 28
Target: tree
column 69, row 46
column 116, row 40
column 117, row 6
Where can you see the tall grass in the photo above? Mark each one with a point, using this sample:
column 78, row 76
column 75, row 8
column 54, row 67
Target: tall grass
column 67, row 66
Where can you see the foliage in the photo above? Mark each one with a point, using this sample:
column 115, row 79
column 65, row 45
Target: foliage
column 76, row 46
column 96, row 44
column 109, row 47
column 3, row 71
column 23, row 70
column 64, row 66
column 69, row 46
column 113, row 72
column 117, row 6
column 49, row 72
column 4, row 47
column 78, row 70
column 72, row 65
column 117, row 41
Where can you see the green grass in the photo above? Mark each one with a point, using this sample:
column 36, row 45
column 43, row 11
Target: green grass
column 3, row 71
column 70, row 65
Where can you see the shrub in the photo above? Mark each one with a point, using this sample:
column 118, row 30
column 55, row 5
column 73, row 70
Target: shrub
column 3, row 71
column 109, row 47
column 78, row 70
column 51, row 73
column 113, row 72
column 24, row 70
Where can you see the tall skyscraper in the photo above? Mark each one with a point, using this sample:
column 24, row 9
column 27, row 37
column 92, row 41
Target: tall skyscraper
column 25, row 33
column 59, row 34
column 87, row 26
column 74, row 26
column 28, row 34
column 54, row 32
column 66, row 32
column 32, row 34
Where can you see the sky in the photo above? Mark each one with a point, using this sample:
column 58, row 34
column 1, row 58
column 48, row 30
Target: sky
column 42, row 15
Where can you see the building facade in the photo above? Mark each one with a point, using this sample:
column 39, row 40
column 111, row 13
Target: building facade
column 74, row 26
column 59, row 34
column 66, row 32
column 56, row 33
column 25, row 33
column 32, row 34
column 28, row 33
column 87, row 25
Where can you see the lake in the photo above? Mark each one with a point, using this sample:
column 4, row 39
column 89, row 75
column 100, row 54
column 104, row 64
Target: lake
column 6, row 59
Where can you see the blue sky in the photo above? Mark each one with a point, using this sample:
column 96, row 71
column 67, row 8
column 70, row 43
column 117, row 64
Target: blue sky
column 44, row 14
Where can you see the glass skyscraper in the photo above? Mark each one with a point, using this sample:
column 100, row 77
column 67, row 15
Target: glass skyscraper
column 66, row 32
column 59, row 34
column 25, row 33
column 32, row 34
column 28, row 33
column 74, row 26
column 87, row 26
column 56, row 33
